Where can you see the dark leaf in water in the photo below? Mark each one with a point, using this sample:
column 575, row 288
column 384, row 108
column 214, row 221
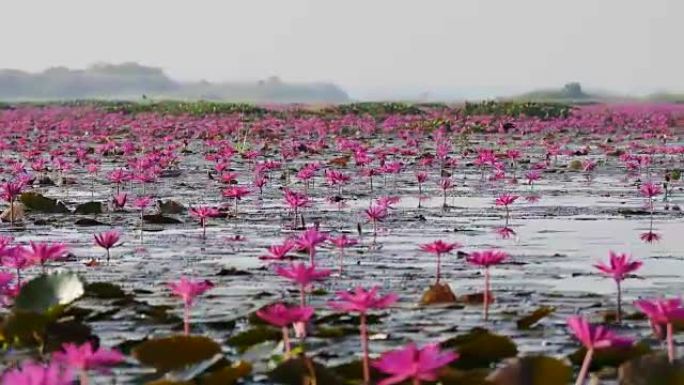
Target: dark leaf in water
column 46, row 291
column 160, row 219
column 439, row 293
column 529, row 320
column 89, row 208
column 244, row 340
column 451, row 376
column 104, row 290
column 37, row 202
column 612, row 356
column 301, row 370
column 532, row 370
column 651, row 369
column 232, row 271
column 480, row 348
column 23, row 328
column 58, row 333
column 353, row 372
column 88, row 222
column 177, row 352
column 171, row 207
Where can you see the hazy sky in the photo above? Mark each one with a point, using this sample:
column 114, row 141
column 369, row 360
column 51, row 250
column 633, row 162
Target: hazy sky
column 367, row 46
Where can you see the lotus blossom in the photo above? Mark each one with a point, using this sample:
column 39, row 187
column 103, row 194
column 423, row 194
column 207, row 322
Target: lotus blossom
column 439, row 247
column 375, row 214
column 620, row 267
column 107, row 240
column 663, row 312
column 303, row 276
column 202, row 213
column 10, row 191
column 486, row 259
column 188, row 289
column 342, row 242
column 279, row 252
column 283, row 316
column 85, row 357
column 308, row 240
column 413, row 363
column 361, row 301
column 41, row 253
column 593, row 338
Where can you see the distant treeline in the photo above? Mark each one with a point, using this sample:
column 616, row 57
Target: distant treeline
column 131, row 81
column 376, row 109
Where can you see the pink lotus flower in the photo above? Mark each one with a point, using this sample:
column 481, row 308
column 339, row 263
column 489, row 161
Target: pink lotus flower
column 387, row 202
column 283, row 316
column 84, row 357
column 486, row 259
column 303, row 276
column 649, row 236
column 593, row 337
column 342, row 242
column 439, row 247
column 375, row 214
column 119, row 200
column 31, row 373
column 308, row 240
column 202, row 213
column 14, row 258
column 619, row 269
column 10, row 192
column 663, row 312
column 361, row 301
column 279, row 252
column 142, row 203
column 296, row 201
column 107, row 240
column 650, row 190
column 188, row 290
column 413, row 363
column 41, row 253
column 505, row 199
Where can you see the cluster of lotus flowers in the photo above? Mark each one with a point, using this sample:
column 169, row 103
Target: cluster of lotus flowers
column 164, row 139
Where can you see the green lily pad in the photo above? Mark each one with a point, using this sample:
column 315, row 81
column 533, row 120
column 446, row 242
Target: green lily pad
column 611, row 356
column 532, row 370
column 480, row 348
column 177, row 352
column 104, row 290
column 300, row 370
column 89, row 208
column 651, row 369
column 159, row 219
column 24, row 328
column 451, row 376
column 529, row 320
column 47, row 291
column 59, row 333
column 248, row 338
column 171, row 207
column 37, row 202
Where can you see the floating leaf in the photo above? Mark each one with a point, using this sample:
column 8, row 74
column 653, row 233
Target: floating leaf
column 612, row 356
column 171, row 207
column 651, row 369
column 104, row 290
column 88, row 222
column 480, row 348
column 451, row 376
column 228, row 375
column 353, row 372
column 59, row 333
column 529, row 320
column 438, row 293
column 474, row 298
column 300, row 370
column 89, row 208
column 160, row 219
column 37, row 202
column 177, row 352
column 248, row 338
column 24, row 328
column 46, row 291
column 19, row 213
column 532, row 370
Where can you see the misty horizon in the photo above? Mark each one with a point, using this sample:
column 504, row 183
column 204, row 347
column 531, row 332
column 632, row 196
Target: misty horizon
column 373, row 50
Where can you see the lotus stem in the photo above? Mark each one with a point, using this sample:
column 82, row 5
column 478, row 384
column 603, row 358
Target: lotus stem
column 486, row 294
column 585, row 367
column 364, row 347
column 670, row 343
column 286, row 340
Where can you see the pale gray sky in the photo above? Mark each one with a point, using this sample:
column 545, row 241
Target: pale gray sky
column 365, row 46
